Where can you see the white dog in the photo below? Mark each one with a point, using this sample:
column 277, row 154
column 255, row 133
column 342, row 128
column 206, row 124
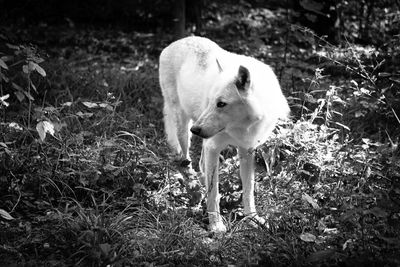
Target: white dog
column 225, row 98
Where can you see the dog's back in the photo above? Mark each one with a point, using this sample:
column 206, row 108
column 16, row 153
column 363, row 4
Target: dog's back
column 187, row 64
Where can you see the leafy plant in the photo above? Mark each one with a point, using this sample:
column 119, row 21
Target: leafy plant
column 91, row 234
column 19, row 64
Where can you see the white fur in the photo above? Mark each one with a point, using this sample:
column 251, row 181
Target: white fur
column 196, row 74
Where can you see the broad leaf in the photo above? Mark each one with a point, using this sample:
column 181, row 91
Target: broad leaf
column 67, row 104
column 43, row 128
column 31, row 66
column 308, row 237
column 20, row 96
column 311, row 201
column 3, row 64
column 3, row 100
column 5, row 215
column 25, row 69
column 40, row 70
column 90, row 104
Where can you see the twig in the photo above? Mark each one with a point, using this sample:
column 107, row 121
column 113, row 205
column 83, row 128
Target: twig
column 19, row 195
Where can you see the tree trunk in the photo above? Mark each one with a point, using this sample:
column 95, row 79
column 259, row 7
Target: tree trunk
column 194, row 13
column 179, row 19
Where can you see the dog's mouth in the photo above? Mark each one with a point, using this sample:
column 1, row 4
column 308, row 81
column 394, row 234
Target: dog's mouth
column 220, row 130
column 206, row 136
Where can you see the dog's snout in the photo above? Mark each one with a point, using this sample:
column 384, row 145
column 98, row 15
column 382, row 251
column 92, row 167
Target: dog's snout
column 196, row 130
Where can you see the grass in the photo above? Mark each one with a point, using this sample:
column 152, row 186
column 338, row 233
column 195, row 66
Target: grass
column 103, row 191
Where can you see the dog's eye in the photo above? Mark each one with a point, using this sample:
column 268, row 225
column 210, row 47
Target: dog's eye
column 221, row 104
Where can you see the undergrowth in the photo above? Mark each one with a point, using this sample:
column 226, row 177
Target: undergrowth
column 85, row 176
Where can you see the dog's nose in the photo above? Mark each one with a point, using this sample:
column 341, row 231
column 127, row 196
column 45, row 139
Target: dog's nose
column 196, row 130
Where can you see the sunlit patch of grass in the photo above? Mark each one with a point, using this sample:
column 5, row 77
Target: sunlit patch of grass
column 164, row 237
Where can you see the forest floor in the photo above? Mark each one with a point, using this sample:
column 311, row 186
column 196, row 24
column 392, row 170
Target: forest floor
column 87, row 179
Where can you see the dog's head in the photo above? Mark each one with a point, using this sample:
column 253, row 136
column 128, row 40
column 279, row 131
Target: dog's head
column 231, row 104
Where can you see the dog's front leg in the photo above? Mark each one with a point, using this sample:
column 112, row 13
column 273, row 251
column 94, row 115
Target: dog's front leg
column 210, row 164
column 247, row 177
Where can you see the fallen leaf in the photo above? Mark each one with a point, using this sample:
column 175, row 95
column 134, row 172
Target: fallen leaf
column 86, row 114
column 311, row 201
column 67, row 104
column 15, row 126
column 331, row 231
column 308, row 237
column 5, row 215
column 40, row 70
column 3, row 64
column 90, row 104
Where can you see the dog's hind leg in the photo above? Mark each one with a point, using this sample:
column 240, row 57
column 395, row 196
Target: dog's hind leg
column 176, row 122
column 177, row 125
column 183, row 134
column 171, row 101
column 171, row 130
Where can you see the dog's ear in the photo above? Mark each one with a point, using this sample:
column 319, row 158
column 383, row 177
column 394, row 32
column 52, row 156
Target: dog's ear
column 219, row 65
column 243, row 79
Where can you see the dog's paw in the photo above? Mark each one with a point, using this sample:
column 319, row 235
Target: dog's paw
column 256, row 221
column 217, row 227
column 185, row 167
column 216, row 224
column 185, row 163
column 180, row 161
